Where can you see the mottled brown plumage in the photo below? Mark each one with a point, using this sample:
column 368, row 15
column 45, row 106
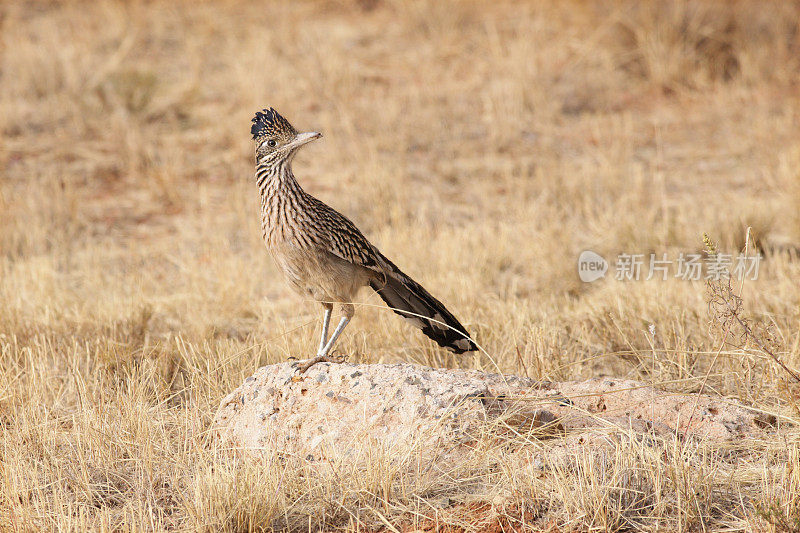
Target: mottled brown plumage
column 322, row 253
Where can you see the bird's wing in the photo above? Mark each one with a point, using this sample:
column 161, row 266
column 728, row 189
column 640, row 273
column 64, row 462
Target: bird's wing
column 347, row 242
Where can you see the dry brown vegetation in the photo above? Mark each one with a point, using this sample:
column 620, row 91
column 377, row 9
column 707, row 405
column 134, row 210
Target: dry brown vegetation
column 482, row 148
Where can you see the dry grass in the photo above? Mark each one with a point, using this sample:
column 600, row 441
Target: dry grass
column 482, row 148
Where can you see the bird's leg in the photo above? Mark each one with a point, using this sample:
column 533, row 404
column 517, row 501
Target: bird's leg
column 324, row 351
column 325, row 323
column 322, row 356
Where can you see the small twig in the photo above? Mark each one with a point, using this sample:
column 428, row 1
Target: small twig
column 721, row 294
column 522, row 365
column 752, row 336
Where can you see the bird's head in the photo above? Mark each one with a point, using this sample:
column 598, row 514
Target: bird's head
column 275, row 138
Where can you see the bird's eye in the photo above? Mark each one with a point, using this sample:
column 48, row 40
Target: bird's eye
column 272, row 143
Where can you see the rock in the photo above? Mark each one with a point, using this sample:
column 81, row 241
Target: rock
column 332, row 410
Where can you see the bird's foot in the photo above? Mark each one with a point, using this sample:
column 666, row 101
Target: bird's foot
column 302, row 366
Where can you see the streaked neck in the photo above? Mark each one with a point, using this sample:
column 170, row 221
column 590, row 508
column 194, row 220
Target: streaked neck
column 275, row 175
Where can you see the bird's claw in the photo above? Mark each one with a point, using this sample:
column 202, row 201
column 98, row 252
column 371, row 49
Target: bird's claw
column 303, row 366
column 337, row 357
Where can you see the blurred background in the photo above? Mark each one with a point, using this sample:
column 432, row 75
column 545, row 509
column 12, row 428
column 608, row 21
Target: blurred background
column 481, row 146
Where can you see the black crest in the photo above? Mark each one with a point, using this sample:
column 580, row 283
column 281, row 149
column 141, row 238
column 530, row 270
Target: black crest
column 270, row 122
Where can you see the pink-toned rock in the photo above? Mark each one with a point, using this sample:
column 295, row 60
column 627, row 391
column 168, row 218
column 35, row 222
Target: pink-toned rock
column 333, row 410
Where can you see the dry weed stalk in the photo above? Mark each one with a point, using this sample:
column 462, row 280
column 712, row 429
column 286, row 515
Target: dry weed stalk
column 726, row 311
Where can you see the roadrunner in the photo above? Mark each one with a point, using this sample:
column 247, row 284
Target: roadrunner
column 322, row 253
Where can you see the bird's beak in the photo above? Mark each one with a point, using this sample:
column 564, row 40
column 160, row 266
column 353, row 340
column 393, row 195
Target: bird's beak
column 304, row 138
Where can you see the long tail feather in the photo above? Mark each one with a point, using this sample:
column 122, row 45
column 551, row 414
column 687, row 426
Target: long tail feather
column 410, row 300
